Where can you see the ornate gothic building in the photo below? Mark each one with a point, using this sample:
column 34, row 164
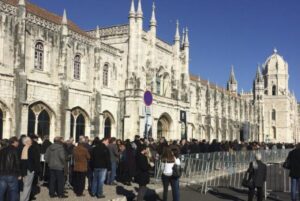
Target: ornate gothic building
column 56, row 79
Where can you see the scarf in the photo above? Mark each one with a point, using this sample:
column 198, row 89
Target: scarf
column 24, row 155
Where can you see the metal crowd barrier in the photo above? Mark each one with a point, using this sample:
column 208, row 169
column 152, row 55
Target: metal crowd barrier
column 227, row 169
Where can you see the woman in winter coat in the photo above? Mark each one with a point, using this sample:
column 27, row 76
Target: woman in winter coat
column 168, row 160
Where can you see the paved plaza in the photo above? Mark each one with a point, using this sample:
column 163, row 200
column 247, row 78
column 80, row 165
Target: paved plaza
column 124, row 193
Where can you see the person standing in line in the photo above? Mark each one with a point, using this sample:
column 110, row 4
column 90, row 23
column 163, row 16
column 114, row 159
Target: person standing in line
column 35, row 153
column 100, row 161
column 175, row 189
column 56, row 158
column 10, row 170
column 45, row 169
column 27, row 163
column 293, row 161
column 142, row 176
column 81, row 157
column 168, row 161
column 89, row 173
column 258, row 174
column 114, row 156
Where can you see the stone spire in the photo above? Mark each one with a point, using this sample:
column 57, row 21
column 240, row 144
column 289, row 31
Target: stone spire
column 183, row 37
column 64, row 20
column 97, row 32
column 232, row 79
column 132, row 10
column 177, row 36
column 232, row 83
column 259, row 77
column 186, row 39
column 153, row 18
column 139, row 12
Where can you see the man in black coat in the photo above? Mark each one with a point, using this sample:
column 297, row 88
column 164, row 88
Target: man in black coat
column 35, row 153
column 10, row 170
column 258, row 175
column 294, row 166
column 100, row 162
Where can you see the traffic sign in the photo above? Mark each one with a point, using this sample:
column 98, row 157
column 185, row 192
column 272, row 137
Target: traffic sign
column 148, row 98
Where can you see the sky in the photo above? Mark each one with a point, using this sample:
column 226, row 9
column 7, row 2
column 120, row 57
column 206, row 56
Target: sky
column 242, row 33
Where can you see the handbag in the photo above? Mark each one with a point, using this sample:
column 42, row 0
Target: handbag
column 247, row 182
column 177, row 171
column 287, row 164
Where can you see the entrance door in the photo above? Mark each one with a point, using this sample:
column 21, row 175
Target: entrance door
column 159, row 130
column 80, row 126
column 107, row 128
column 163, row 127
column 43, row 124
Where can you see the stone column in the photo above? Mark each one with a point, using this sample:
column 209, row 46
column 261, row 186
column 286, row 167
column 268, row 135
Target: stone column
column 67, row 133
column 24, row 119
column 101, row 126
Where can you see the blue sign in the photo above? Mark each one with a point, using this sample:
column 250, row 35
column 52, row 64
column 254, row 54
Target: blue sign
column 148, row 98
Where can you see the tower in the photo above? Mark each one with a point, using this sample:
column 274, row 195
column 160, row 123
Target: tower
column 232, row 84
column 276, row 75
column 277, row 100
column 258, row 97
column 132, row 40
column 258, row 86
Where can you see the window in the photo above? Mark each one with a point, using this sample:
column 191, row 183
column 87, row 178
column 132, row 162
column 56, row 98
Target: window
column 274, row 90
column 39, row 56
column 105, row 75
column 273, row 114
column 274, row 132
column 77, row 63
column 158, row 84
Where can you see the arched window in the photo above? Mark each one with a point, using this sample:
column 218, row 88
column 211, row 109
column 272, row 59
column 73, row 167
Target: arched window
column 105, row 75
column 39, row 56
column 273, row 114
column 77, row 63
column 274, row 93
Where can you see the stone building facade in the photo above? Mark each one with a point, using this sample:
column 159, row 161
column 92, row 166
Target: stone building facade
column 56, row 79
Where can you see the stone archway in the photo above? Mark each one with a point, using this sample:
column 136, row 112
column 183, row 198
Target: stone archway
column 109, row 125
column 164, row 125
column 40, row 120
column 79, row 122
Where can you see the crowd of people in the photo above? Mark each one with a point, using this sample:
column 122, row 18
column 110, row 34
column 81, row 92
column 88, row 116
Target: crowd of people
column 27, row 160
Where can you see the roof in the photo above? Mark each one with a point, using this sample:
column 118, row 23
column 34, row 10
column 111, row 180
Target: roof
column 211, row 85
column 49, row 16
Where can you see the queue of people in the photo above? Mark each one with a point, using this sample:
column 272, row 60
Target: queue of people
column 25, row 161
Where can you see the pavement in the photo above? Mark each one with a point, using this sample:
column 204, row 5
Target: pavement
column 118, row 192
column 221, row 194
column 187, row 193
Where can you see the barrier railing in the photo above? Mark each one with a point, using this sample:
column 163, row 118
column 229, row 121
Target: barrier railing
column 224, row 169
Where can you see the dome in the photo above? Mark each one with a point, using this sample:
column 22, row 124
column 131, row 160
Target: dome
column 275, row 64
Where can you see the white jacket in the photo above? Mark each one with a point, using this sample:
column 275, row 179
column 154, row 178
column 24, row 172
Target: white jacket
column 167, row 168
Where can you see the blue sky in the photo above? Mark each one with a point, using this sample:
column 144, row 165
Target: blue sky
column 242, row 33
